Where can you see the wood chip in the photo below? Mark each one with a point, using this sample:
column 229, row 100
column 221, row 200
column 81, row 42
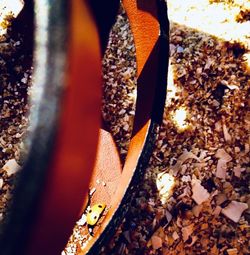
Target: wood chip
column 234, row 210
column 1, row 183
column 246, row 57
column 217, row 210
column 187, row 231
column 222, row 154
column 200, row 194
column 214, row 250
column 221, row 169
column 233, row 87
column 204, row 226
column 197, row 210
column 227, row 136
column 238, row 170
column 156, row 242
column 187, row 155
column 11, row 167
column 168, row 216
column 232, row 251
column 175, row 235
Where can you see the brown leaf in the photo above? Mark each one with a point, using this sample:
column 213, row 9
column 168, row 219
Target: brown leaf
column 156, row 242
column 234, row 210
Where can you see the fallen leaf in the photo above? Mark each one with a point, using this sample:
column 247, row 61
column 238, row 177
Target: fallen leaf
column 227, row 136
column 232, row 251
column 175, row 235
column 233, row 87
column 238, row 170
column 247, row 62
column 187, row 231
column 204, row 226
column 187, row 155
column 217, row 210
column 156, row 242
column 11, row 167
column 222, row 154
column 200, row 194
column 197, row 210
column 168, row 216
column 234, row 210
column 221, row 169
column 214, row 250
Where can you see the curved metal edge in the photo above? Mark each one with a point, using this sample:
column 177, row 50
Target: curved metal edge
column 161, row 90
column 156, row 118
column 130, row 191
column 50, row 62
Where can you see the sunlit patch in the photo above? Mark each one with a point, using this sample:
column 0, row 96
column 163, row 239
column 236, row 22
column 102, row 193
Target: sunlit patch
column 165, row 183
column 222, row 24
column 133, row 95
column 7, row 8
column 180, row 119
column 171, row 88
column 247, row 62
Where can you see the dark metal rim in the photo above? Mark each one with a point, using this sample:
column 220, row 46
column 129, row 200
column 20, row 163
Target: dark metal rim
column 50, row 61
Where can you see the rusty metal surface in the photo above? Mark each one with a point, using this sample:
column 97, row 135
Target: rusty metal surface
column 150, row 28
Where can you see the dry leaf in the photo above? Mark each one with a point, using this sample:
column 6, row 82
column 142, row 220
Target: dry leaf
column 227, row 136
column 247, row 62
column 197, row 210
column 1, row 183
column 218, row 126
column 11, row 167
column 214, row 250
column 238, row 170
column 217, row 210
column 247, row 149
column 187, row 231
column 156, row 242
column 187, row 155
column 232, row 251
column 168, row 216
column 233, row 87
column 200, row 194
column 222, row 154
column 221, row 169
column 175, row 235
column 234, row 210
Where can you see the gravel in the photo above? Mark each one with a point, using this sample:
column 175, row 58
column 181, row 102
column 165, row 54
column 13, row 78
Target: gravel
column 15, row 79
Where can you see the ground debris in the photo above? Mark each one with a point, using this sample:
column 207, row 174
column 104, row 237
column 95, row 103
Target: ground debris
column 234, row 210
column 209, row 158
